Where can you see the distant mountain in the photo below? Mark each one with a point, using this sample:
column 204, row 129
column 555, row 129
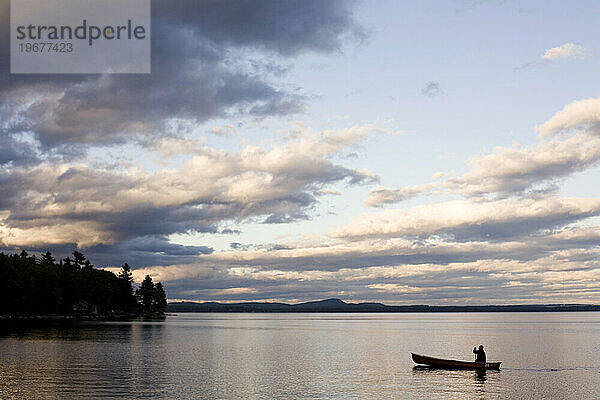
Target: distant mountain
column 337, row 305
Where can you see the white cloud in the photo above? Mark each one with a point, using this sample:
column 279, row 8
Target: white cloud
column 168, row 273
column 233, row 291
column 580, row 113
column 567, row 50
column 78, row 203
column 512, row 170
column 509, row 171
column 395, row 288
column 381, row 195
column 469, row 219
column 563, row 51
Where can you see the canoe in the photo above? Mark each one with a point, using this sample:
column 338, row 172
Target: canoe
column 442, row 363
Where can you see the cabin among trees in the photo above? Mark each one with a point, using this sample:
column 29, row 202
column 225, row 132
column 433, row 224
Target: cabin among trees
column 72, row 286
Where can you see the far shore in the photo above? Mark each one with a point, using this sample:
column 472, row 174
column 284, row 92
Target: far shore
column 339, row 306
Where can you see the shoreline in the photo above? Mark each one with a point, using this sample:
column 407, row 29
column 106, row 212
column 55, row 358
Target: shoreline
column 80, row 317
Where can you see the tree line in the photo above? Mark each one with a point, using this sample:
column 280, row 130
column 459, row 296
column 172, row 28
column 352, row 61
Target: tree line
column 42, row 286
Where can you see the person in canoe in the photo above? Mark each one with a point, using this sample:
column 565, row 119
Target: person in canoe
column 479, row 354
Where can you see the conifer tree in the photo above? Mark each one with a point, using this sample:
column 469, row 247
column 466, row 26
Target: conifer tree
column 47, row 259
column 160, row 298
column 146, row 293
column 126, row 297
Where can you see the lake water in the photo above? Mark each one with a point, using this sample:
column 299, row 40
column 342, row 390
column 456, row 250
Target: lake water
column 304, row 356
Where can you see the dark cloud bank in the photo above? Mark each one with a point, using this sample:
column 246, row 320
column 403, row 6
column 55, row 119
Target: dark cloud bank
column 47, row 120
column 191, row 78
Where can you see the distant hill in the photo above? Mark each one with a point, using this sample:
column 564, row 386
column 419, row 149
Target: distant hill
column 337, row 305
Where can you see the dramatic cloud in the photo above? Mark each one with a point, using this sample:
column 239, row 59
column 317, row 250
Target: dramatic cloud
column 328, row 257
column 209, row 60
column 267, row 24
column 468, row 220
column 563, row 51
column 473, row 250
column 511, row 238
column 509, row 171
column 55, row 204
column 195, row 76
column 392, row 270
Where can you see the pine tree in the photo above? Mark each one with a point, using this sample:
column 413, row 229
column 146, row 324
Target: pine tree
column 47, row 259
column 146, row 293
column 68, row 265
column 126, row 296
column 79, row 259
column 160, row 298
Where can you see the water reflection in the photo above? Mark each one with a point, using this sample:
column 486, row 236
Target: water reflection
column 84, row 360
column 481, row 375
column 69, row 331
column 453, row 380
column 230, row 356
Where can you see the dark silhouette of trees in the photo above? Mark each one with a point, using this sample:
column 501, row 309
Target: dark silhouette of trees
column 126, row 296
column 47, row 259
column 151, row 297
column 78, row 259
column 160, row 297
column 30, row 286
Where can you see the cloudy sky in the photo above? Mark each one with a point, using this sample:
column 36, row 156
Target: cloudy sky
column 405, row 152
